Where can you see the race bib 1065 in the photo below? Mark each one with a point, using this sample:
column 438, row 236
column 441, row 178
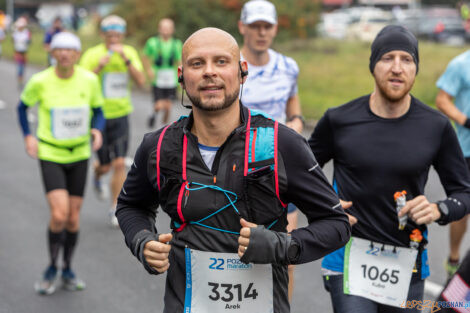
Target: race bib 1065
column 378, row 272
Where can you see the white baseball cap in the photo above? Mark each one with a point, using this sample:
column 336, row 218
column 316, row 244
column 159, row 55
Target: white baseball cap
column 21, row 22
column 258, row 10
column 65, row 40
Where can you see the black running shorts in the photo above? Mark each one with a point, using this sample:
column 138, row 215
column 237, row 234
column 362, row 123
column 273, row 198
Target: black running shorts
column 68, row 176
column 163, row 93
column 115, row 140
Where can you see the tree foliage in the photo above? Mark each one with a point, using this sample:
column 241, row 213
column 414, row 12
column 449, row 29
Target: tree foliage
column 297, row 18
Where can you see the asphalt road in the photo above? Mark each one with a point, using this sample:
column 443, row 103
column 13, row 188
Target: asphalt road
column 116, row 282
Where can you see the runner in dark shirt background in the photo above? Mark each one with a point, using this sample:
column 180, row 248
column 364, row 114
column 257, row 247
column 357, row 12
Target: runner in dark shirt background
column 383, row 143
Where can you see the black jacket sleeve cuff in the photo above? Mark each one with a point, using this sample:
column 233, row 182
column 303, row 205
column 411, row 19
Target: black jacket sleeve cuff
column 137, row 248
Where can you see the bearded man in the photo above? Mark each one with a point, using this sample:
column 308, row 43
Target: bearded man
column 383, row 146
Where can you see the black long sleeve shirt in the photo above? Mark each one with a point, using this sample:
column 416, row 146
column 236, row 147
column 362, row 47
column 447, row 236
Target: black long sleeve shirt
column 307, row 188
column 375, row 157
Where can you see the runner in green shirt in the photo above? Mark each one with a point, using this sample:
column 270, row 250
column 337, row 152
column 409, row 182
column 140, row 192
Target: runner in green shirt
column 69, row 100
column 162, row 56
column 114, row 62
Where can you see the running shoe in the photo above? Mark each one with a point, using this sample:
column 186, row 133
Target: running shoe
column 101, row 190
column 47, row 285
column 151, row 121
column 451, row 267
column 112, row 218
column 71, row 282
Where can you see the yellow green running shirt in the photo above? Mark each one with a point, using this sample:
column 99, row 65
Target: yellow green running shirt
column 65, row 112
column 114, row 78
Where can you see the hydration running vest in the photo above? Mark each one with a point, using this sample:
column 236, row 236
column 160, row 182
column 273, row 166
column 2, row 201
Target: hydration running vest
column 246, row 180
column 159, row 62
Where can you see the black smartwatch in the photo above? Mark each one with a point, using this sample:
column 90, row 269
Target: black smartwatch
column 293, row 251
column 444, row 210
column 467, row 123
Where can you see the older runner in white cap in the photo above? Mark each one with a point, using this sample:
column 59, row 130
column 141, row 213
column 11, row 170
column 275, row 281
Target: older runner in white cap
column 69, row 100
column 66, row 40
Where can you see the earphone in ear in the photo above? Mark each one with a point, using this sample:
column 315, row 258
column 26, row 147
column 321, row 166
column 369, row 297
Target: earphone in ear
column 181, row 77
column 181, row 81
column 242, row 72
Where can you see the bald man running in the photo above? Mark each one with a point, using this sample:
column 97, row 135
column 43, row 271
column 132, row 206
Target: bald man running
column 224, row 175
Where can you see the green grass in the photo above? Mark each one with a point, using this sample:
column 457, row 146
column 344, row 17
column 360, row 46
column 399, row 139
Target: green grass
column 331, row 72
column 36, row 53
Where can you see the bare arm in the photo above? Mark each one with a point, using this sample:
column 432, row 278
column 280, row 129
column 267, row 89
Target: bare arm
column 31, row 146
column 103, row 61
column 137, row 76
column 445, row 104
column 148, row 68
column 293, row 109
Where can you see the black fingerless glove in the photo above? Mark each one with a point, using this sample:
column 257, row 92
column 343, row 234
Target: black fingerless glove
column 266, row 247
column 138, row 244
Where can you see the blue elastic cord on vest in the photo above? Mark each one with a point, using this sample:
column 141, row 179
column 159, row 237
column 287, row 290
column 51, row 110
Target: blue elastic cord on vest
column 272, row 224
column 227, row 194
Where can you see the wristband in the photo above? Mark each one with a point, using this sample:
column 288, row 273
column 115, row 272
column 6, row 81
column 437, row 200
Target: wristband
column 467, row 123
column 137, row 248
column 128, row 62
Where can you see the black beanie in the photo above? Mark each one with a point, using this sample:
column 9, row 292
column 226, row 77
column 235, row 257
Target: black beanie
column 393, row 37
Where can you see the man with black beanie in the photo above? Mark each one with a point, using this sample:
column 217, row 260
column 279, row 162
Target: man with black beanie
column 383, row 146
